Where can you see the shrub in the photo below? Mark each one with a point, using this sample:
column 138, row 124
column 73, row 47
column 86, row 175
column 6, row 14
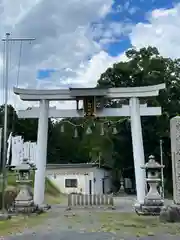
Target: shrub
column 50, row 188
column 9, row 198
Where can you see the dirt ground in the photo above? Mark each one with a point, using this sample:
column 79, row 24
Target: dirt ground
column 98, row 224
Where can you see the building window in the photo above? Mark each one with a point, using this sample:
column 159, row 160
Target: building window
column 71, row 183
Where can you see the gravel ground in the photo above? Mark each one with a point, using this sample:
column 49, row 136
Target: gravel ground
column 86, row 236
column 80, row 225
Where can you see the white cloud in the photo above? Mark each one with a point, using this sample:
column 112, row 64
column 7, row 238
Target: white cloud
column 93, row 69
column 86, row 76
column 161, row 31
column 111, row 32
column 64, row 40
column 128, row 7
column 62, row 32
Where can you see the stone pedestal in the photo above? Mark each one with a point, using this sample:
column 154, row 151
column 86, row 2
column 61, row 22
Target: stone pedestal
column 24, row 201
column 153, row 202
column 121, row 189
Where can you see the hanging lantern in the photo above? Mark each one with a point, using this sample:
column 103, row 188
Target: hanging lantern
column 114, row 131
column 109, row 124
column 94, row 124
column 102, row 130
column 62, row 128
column 75, row 133
column 88, row 131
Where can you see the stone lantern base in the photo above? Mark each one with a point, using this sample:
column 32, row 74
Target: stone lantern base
column 4, row 216
column 24, row 201
column 153, row 202
column 150, row 207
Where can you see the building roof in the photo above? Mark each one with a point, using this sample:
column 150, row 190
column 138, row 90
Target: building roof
column 75, row 165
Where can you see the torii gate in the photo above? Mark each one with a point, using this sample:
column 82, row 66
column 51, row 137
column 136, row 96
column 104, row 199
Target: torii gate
column 134, row 110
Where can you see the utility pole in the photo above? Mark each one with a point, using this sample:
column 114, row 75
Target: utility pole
column 0, row 146
column 7, row 40
column 162, row 172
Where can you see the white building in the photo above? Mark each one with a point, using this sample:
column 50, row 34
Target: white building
column 82, row 178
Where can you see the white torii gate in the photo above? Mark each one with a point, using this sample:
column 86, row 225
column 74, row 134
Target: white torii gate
column 134, row 110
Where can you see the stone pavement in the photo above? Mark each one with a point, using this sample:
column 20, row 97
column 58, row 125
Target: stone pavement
column 70, row 235
column 62, row 225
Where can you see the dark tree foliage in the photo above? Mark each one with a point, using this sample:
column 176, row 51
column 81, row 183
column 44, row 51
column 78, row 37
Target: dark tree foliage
column 147, row 67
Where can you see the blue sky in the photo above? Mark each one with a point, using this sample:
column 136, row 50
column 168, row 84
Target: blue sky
column 124, row 11
column 136, row 11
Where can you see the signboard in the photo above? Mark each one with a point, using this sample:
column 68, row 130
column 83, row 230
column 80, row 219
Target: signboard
column 89, row 106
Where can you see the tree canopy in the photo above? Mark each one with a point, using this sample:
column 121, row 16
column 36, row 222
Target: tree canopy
column 147, row 67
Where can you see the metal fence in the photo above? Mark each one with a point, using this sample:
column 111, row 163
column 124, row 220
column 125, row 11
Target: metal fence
column 86, row 200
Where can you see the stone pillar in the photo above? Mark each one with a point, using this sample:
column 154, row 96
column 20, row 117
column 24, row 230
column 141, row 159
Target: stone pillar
column 41, row 153
column 138, row 149
column 92, row 182
column 175, row 154
column 86, row 179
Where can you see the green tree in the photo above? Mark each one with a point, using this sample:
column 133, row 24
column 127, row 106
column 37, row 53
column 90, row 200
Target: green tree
column 147, row 67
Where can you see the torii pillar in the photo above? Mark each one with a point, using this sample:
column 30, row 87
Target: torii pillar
column 134, row 110
column 41, row 153
column 138, row 149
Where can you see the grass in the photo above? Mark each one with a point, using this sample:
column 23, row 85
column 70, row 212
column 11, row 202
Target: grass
column 52, row 194
column 50, row 188
column 122, row 224
column 19, row 223
column 134, row 225
column 58, row 199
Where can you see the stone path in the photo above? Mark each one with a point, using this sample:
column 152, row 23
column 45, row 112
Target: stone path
column 70, row 235
column 79, row 225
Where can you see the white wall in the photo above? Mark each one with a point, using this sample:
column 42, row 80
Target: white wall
column 59, row 182
column 99, row 174
column 83, row 175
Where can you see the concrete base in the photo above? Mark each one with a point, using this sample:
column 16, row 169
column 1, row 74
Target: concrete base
column 149, row 209
column 24, row 203
column 138, row 208
column 44, row 207
column 28, row 210
column 4, row 216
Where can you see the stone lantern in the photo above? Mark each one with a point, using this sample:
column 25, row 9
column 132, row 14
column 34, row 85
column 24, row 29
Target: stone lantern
column 153, row 201
column 24, row 200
